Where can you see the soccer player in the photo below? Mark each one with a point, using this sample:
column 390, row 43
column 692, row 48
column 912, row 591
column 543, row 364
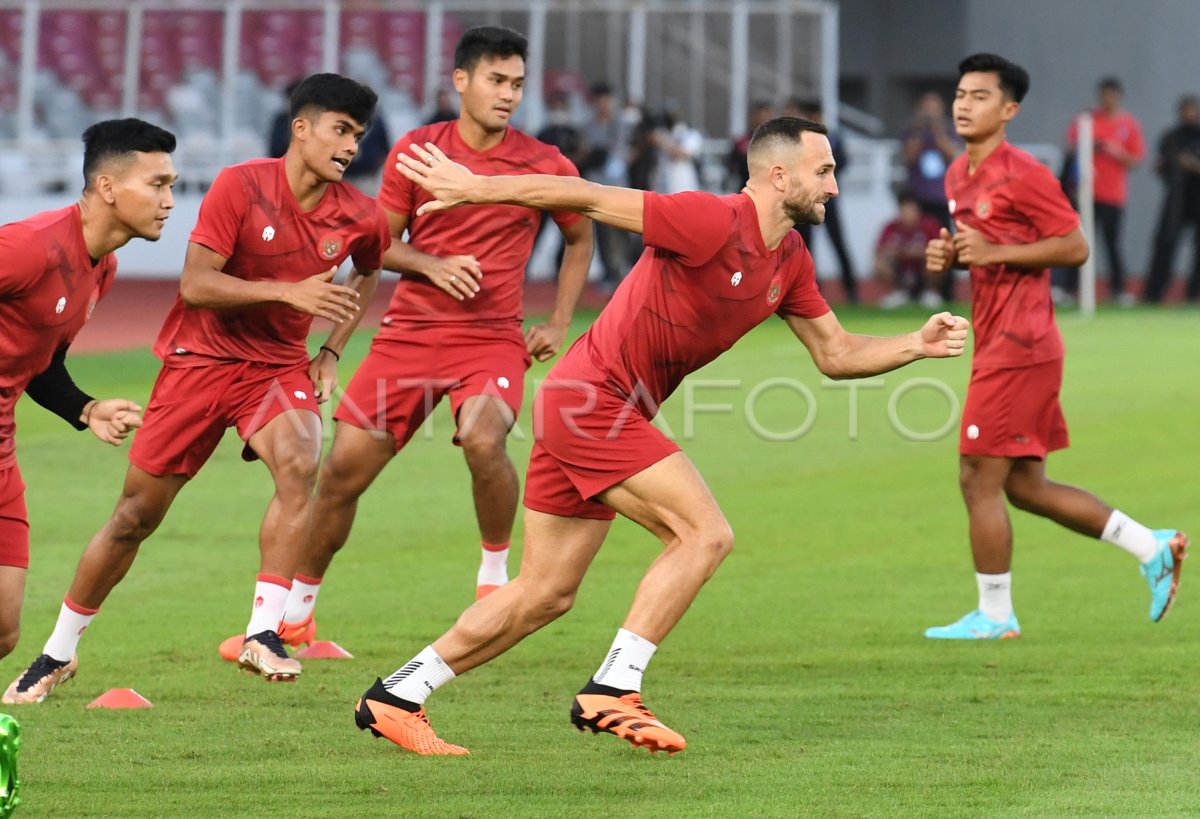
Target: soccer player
column 714, row 267
column 56, row 266
column 270, row 235
column 1013, row 225
column 453, row 327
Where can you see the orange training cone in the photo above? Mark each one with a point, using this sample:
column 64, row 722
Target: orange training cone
column 323, row 650
column 120, row 698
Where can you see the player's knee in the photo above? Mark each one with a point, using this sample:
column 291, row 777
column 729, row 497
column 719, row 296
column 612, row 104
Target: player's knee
column 714, row 543
column 1023, row 494
column 297, row 470
column 8, row 641
column 132, row 522
column 547, row 605
column 341, row 480
column 483, row 448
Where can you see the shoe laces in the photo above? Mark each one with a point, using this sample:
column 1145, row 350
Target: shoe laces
column 636, row 701
column 271, row 641
column 40, row 668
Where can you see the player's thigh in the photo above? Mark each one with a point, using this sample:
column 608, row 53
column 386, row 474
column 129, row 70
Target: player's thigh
column 559, row 550
column 355, row 459
column 670, row 499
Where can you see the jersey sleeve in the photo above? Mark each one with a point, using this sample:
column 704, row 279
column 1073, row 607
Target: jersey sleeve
column 691, row 225
column 22, row 260
column 802, row 299
column 564, row 167
column 221, row 213
column 368, row 254
column 1043, row 202
column 396, row 193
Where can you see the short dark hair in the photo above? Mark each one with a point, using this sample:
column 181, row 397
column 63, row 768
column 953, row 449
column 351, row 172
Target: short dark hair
column 318, row 93
column 1014, row 80
column 493, row 42
column 783, row 129
column 600, row 88
column 1110, row 83
column 120, row 139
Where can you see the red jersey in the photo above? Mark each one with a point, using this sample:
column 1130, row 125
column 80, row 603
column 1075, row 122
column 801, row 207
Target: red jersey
column 1110, row 185
column 1013, row 200
column 704, row 281
column 500, row 237
column 251, row 217
column 906, row 244
column 48, row 287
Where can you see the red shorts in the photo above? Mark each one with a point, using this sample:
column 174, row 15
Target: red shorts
column 14, row 519
column 1013, row 412
column 586, row 439
column 191, row 407
column 409, row 370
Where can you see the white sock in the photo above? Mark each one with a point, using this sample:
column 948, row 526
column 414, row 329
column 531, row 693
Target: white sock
column 995, row 595
column 72, row 621
column 419, row 677
column 626, row 662
column 493, row 565
column 302, row 599
column 1126, row 533
column 270, row 596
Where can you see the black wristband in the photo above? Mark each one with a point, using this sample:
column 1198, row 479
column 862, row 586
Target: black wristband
column 332, row 352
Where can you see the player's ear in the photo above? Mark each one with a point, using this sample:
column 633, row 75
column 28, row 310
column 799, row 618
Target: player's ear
column 460, row 79
column 1011, row 109
column 300, row 127
column 104, row 187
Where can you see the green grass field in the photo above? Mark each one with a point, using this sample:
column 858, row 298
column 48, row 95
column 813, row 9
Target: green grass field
column 800, row 677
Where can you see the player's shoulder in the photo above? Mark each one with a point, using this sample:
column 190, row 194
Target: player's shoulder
column 258, row 170
column 32, row 231
column 438, row 133
column 1019, row 164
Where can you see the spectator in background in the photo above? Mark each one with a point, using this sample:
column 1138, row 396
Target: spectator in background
column 443, row 108
column 928, row 146
column 560, row 131
column 900, row 256
column 1117, row 147
column 735, row 161
column 279, row 136
column 643, row 147
column 680, row 145
column 605, row 137
column 811, row 110
column 366, row 167
column 1179, row 166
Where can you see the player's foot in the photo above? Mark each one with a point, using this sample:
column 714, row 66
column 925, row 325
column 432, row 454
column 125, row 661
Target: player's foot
column 1162, row 571
column 484, row 589
column 43, row 676
column 622, row 713
column 404, row 723
column 10, row 743
column 293, row 634
column 976, row 626
column 263, row 653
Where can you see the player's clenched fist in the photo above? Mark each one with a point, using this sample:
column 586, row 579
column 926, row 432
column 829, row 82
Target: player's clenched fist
column 112, row 419
column 944, row 335
column 319, row 296
column 939, row 253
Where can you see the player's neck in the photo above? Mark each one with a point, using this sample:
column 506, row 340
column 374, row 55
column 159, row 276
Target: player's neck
column 101, row 234
column 773, row 225
column 476, row 137
column 306, row 186
column 981, row 150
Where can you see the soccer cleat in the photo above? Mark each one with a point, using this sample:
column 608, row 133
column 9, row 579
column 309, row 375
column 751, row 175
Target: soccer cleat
column 1162, row 571
column 43, row 676
column 294, row 634
column 263, row 653
column 386, row 715
column 483, row 590
column 618, row 712
column 976, row 626
column 10, row 785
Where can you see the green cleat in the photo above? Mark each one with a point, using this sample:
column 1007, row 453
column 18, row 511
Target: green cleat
column 10, row 743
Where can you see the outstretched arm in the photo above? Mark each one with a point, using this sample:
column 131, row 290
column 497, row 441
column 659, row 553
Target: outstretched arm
column 839, row 354
column 452, row 185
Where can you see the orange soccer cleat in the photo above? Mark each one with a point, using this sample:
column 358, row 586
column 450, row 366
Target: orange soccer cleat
column 386, row 715
column 293, row 634
column 622, row 713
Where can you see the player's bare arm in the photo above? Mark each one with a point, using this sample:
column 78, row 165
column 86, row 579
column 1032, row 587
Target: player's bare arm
column 545, row 340
column 452, row 185
column 204, row 284
column 323, row 367
column 458, row 276
column 973, row 249
column 841, row 354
